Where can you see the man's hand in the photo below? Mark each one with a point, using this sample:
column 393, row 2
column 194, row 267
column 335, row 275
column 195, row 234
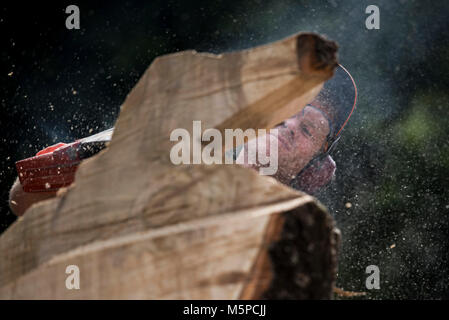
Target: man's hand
column 20, row 201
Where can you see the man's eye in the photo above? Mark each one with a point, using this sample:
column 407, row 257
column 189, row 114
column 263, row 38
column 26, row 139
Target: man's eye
column 306, row 131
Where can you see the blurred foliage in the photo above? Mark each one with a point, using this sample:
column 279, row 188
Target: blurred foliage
column 393, row 159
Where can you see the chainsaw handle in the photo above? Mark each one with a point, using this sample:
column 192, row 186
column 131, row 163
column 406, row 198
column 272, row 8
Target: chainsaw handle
column 51, row 148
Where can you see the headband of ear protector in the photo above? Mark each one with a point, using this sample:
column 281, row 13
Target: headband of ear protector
column 337, row 100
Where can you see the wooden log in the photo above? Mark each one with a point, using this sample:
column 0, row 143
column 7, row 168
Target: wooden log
column 137, row 226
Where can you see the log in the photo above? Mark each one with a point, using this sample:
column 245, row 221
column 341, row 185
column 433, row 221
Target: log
column 140, row 227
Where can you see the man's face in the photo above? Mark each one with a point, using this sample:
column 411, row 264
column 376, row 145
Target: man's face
column 299, row 139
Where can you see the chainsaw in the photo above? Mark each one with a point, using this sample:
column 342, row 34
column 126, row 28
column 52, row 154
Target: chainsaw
column 54, row 167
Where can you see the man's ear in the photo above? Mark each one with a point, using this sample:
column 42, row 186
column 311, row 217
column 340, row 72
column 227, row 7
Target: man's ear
column 317, row 174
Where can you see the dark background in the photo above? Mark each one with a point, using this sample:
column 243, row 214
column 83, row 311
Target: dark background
column 390, row 196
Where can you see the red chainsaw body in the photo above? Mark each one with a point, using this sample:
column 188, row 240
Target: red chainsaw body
column 51, row 169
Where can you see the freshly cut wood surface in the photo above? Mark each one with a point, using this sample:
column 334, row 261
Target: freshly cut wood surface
column 138, row 226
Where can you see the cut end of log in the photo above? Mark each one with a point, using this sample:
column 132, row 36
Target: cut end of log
column 299, row 258
column 316, row 55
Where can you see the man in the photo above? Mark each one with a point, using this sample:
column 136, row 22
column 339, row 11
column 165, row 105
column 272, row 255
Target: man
column 306, row 139
column 304, row 143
